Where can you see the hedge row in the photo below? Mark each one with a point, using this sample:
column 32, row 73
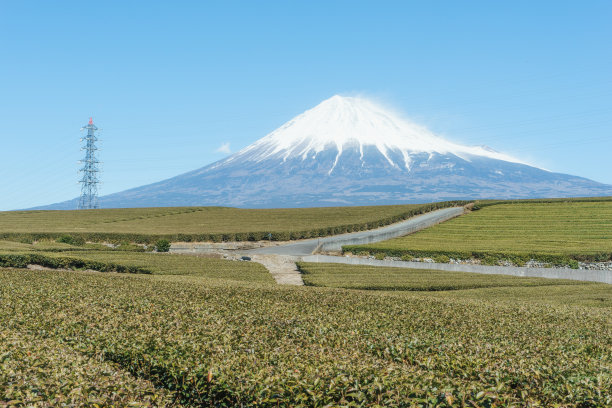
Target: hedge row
column 487, row 203
column 23, row 260
column 490, row 258
column 230, row 237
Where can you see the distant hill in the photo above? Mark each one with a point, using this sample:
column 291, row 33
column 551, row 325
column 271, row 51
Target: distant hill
column 350, row 151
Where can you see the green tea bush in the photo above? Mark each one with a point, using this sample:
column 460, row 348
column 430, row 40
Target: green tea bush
column 71, row 240
column 38, row 371
column 162, row 245
column 239, row 345
column 490, row 260
column 63, row 262
column 441, row 259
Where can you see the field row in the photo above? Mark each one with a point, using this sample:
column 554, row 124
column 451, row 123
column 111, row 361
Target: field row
column 228, row 344
column 206, row 269
column 404, row 279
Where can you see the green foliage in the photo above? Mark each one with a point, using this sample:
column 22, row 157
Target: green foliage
column 490, row 260
column 71, row 240
column 162, row 245
column 550, row 231
column 241, row 345
column 16, row 260
column 171, row 264
column 209, row 269
column 441, row 259
column 200, row 224
column 379, row 255
column 44, row 372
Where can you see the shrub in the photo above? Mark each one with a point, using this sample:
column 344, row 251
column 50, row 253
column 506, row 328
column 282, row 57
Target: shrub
column 490, row 260
column 162, row 245
column 71, row 240
column 441, row 259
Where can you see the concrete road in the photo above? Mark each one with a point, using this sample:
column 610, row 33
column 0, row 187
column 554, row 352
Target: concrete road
column 335, row 243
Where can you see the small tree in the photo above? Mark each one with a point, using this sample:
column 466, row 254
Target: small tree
column 162, row 245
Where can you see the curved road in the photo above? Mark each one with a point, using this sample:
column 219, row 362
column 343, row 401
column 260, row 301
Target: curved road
column 335, row 243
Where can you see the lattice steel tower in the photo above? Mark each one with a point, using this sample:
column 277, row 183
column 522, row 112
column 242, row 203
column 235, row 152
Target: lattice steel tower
column 89, row 181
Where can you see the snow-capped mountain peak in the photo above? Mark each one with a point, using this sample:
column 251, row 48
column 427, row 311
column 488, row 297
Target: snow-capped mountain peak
column 344, row 122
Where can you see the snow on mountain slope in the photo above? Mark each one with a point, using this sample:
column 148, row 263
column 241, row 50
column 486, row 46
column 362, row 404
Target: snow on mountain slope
column 341, row 122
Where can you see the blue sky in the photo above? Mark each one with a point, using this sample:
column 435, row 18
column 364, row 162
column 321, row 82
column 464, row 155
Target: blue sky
column 170, row 83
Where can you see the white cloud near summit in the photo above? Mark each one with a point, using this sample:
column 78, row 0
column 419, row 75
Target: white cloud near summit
column 224, row 148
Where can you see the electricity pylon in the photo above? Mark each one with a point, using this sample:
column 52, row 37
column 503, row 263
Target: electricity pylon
column 89, row 181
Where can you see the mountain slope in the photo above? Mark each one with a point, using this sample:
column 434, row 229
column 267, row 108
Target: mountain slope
column 351, row 151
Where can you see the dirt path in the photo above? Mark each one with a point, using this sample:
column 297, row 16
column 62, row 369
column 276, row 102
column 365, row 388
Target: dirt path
column 282, row 268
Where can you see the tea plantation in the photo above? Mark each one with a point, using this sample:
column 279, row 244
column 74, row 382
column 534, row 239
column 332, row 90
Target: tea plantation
column 122, row 327
column 146, row 225
column 196, row 339
column 555, row 232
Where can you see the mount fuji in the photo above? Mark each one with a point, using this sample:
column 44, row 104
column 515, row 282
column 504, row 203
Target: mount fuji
column 352, row 151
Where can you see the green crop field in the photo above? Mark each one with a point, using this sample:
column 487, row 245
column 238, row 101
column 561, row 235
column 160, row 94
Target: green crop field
column 144, row 263
column 404, row 279
column 203, row 223
column 179, row 338
column 552, row 232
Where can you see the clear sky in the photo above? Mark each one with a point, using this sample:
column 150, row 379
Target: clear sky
column 175, row 85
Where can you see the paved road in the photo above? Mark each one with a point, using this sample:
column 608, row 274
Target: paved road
column 334, row 243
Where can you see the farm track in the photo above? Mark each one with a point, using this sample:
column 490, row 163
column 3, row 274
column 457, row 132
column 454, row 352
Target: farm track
column 280, row 260
column 304, row 251
column 334, row 243
column 283, row 268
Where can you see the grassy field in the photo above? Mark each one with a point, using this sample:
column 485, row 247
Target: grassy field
column 553, row 232
column 224, row 343
column 203, row 223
